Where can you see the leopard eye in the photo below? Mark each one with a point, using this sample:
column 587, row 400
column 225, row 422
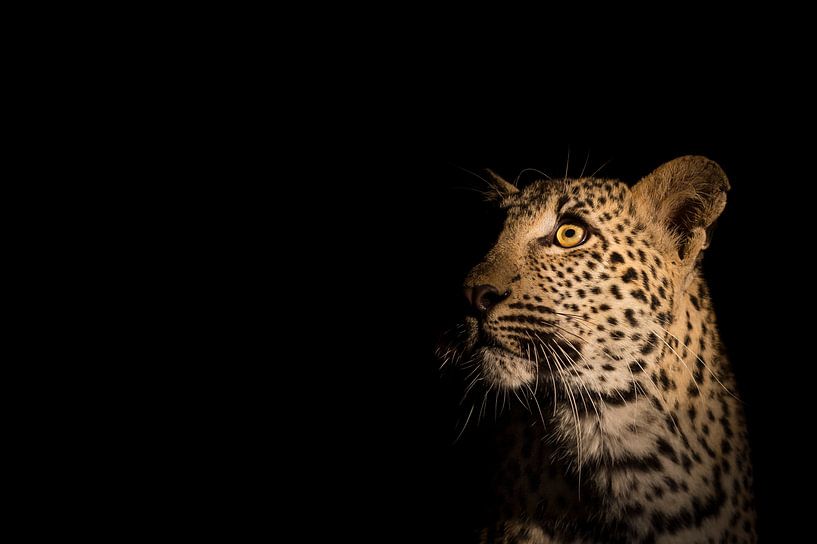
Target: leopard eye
column 570, row 235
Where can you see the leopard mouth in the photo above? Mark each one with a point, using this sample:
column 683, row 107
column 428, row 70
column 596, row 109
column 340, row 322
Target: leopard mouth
column 506, row 369
column 529, row 355
column 526, row 360
column 508, row 355
column 528, row 346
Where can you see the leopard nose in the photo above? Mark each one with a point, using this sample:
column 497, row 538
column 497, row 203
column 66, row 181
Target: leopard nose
column 484, row 297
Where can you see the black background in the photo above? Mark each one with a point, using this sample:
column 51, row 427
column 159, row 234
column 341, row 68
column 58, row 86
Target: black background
column 434, row 226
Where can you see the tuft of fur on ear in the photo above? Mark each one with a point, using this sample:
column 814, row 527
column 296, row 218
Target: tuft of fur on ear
column 686, row 195
column 501, row 188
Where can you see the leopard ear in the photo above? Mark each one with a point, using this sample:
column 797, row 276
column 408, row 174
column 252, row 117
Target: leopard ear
column 501, row 187
column 686, row 195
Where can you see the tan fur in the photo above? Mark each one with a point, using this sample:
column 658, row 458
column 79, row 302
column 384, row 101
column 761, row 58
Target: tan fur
column 624, row 315
column 691, row 181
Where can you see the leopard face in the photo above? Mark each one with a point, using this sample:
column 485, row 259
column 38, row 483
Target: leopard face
column 578, row 283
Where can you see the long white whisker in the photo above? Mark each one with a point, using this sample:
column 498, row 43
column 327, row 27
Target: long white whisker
column 468, row 389
column 635, row 390
column 661, row 398
column 467, row 419
column 581, row 381
column 691, row 375
column 516, row 181
column 550, row 370
column 575, row 411
column 538, row 408
column 567, row 166
column 697, row 356
column 583, row 358
column 585, row 163
column 496, row 403
column 515, row 394
column 599, row 169
column 484, row 402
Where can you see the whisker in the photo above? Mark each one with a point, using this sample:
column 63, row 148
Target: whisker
column 575, row 412
column 599, row 169
column 569, row 332
column 661, row 398
column 585, row 163
column 488, row 183
column 467, row 419
column 515, row 394
column 468, row 389
column 635, row 390
column 516, row 181
column 567, row 166
column 697, row 356
column 484, row 402
column 550, row 369
column 538, row 408
column 581, row 381
column 691, row 375
column 536, row 356
column 496, row 403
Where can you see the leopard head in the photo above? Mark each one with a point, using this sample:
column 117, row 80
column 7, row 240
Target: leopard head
column 586, row 274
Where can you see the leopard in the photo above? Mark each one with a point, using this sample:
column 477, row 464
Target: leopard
column 592, row 310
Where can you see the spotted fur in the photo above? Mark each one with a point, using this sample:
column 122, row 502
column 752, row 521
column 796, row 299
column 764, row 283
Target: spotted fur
column 633, row 432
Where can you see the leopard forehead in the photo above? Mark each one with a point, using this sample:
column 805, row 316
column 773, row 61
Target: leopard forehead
column 587, row 192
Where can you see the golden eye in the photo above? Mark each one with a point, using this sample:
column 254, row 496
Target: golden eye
column 570, row 235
